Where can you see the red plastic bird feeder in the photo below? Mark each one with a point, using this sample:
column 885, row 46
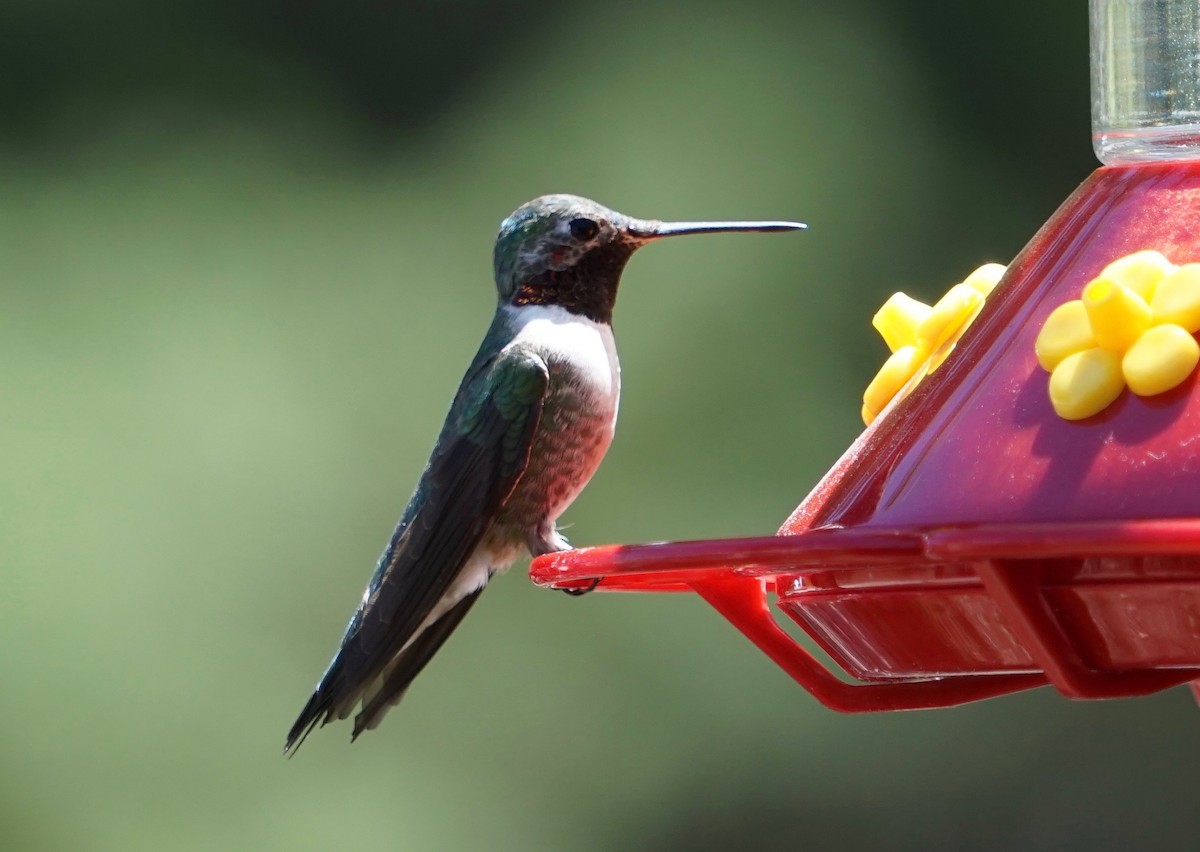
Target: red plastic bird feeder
column 972, row 542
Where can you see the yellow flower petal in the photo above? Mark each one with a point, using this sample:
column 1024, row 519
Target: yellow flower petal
column 892, row 376
column 1086, row 383
column 1162, row 358
column 985, row 278
column 898, row 319
column 949, row 316
column 1065, row 332
column 1140, row 272
column 1177, row 299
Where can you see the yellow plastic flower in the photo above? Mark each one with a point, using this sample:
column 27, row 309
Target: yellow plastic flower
column 921, row 336
column 1132, row 325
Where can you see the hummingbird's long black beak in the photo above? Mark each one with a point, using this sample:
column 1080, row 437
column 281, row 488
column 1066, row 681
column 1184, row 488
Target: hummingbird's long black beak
column 652, row 230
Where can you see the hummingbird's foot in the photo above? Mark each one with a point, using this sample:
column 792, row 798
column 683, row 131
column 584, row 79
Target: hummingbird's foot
column 547, row 540
column 550, row 540
column 578, row 592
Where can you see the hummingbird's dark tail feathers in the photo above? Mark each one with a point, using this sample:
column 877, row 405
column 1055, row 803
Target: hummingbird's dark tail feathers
column 407, row 666
column 330, row 700
column 317, row 710
column 326, row 704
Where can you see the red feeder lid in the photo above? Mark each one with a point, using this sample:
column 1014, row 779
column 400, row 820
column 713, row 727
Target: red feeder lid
column 971, row 542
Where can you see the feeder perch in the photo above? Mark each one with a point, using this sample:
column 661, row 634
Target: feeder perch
column 973, row 542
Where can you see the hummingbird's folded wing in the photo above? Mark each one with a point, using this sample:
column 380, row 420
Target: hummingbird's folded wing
column 480, row 457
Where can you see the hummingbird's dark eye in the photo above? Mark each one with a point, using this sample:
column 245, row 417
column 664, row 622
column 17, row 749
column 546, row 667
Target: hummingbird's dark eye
column 583, row 229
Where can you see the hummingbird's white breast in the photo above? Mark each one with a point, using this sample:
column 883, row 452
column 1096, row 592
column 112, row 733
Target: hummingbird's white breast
column 579, row 413
column 583, row 349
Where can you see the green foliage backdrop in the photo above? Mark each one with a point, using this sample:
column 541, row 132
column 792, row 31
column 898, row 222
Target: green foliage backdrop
column 244, row 258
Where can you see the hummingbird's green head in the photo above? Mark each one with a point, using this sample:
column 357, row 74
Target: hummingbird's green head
column 569, row 251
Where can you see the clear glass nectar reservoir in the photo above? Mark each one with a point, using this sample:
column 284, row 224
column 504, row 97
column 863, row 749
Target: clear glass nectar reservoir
column 1145, row 57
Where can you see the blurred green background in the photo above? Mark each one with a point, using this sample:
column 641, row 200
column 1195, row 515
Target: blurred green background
column 245, row 254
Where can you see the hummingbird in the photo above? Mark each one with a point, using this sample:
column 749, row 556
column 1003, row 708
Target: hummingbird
column 531, row 420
